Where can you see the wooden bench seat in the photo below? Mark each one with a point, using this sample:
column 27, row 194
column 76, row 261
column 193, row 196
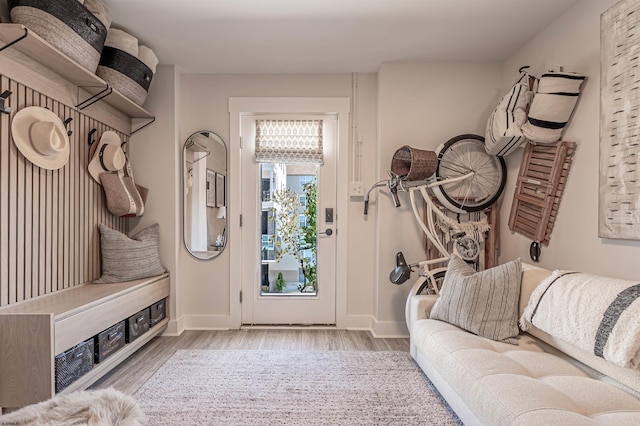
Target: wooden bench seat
column 33, row 332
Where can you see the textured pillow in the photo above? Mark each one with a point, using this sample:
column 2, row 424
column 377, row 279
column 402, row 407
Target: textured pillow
column 484, row 303
column 127, row 259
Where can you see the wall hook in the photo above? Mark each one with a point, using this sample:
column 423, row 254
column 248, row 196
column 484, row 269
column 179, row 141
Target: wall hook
column 66, row 123
column 90, row 139
column 3, row 98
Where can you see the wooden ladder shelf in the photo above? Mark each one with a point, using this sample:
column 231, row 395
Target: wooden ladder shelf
column 543, row 174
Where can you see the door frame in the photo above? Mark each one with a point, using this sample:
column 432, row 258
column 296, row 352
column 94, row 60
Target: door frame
column 239, row 106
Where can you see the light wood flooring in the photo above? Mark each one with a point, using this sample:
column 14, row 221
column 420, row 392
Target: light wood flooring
column 137, row 369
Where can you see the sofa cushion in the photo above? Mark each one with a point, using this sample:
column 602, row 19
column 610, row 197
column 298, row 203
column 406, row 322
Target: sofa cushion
column 484, row 303
column 527, row 384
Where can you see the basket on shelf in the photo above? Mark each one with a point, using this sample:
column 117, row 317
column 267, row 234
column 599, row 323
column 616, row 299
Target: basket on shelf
column 127, row 67
column 77, row 30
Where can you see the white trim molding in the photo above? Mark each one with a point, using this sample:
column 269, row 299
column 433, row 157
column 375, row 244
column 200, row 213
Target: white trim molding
column 284, row 105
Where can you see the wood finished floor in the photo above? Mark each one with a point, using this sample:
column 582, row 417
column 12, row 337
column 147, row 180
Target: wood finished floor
column 137, row 369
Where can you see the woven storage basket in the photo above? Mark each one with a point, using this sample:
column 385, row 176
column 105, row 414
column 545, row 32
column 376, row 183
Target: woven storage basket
column 66, row 24
column 108, row 342
column 157, row 312
column 125, row 73
column 413, row 164
column 73, row 364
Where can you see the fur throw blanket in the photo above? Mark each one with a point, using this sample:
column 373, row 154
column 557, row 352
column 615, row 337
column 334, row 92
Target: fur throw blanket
column 597, row 314
column 93, row 408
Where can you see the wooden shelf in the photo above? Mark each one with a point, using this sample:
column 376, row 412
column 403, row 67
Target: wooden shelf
column 41, row 51
column 33, row 332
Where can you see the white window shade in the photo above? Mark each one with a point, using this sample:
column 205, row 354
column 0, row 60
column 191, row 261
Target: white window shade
column 289, row 141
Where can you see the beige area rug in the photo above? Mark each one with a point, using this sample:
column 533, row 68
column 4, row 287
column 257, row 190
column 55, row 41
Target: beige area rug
column 238, row 387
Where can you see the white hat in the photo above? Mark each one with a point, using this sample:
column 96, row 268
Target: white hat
column 108, row 156
column 40, row 136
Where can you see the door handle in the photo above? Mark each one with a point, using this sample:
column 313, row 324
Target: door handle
column 328, row 232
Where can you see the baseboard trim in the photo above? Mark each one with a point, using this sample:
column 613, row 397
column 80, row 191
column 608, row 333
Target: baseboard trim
column 174, row 328
column 207, row 322
column 389, row 329
column 380, row 329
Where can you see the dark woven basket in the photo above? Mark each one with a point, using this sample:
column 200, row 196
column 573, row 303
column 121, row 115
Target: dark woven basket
column 73, row 364
column 66, row 24
column 414, row 164
column 125, row 73
column 108, row 342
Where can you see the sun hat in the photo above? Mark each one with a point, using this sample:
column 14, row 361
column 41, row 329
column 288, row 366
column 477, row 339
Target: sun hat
column 40, row 136
column 107, row 156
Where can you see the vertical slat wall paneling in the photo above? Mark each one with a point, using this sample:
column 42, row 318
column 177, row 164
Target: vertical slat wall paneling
column 43, row 272
column 52, row 215
column 4, row 198
column 49, row 238
column 21, row 195
column 27, row 206
column 13, row 189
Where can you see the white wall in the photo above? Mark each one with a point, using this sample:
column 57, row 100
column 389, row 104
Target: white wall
column 573, row 41
column 422, row 105
column 154, row 158
column 204, row 105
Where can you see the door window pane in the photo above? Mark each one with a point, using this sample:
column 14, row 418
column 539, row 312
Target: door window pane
column 288, row 221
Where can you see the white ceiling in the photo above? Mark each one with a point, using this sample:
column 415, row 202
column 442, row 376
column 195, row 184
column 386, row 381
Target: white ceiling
column 330, row 36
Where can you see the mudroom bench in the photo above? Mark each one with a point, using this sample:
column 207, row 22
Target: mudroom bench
column 34, row 332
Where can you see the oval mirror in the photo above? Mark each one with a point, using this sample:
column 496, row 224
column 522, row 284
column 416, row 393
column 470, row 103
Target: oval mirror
column 204, row 160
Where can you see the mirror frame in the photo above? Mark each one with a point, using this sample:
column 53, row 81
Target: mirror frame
column 216, row 176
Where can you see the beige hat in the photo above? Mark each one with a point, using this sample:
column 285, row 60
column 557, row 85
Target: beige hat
column 107, row 157
column 41, row 137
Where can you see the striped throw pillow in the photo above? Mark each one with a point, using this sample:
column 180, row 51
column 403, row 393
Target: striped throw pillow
column 484, row 303
column 127, row 259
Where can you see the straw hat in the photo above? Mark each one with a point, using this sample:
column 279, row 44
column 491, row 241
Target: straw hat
column 107, row 156
column 40, row 136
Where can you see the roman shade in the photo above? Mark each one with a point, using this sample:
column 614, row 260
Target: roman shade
column 289, row 141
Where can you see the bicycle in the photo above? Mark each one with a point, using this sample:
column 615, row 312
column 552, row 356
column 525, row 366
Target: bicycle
column 466, row 179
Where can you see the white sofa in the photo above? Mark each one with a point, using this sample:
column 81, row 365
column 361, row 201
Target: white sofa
column 542, row 380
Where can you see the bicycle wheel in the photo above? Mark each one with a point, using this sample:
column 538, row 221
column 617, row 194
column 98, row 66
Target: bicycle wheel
column 466, row 154
column 422, row 286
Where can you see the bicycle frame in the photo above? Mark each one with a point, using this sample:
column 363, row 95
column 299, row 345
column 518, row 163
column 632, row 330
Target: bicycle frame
column 429, row 228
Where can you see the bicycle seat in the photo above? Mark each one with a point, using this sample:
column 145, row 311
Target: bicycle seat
column 401, row 272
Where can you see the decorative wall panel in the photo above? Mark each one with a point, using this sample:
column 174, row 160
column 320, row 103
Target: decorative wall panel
column 619, row 196
column 49, row 239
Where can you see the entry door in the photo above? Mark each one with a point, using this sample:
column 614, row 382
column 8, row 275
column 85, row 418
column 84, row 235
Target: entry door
column 288, row 273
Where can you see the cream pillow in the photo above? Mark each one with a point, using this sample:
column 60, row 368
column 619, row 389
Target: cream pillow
column 128, row 259
column 484, row 303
